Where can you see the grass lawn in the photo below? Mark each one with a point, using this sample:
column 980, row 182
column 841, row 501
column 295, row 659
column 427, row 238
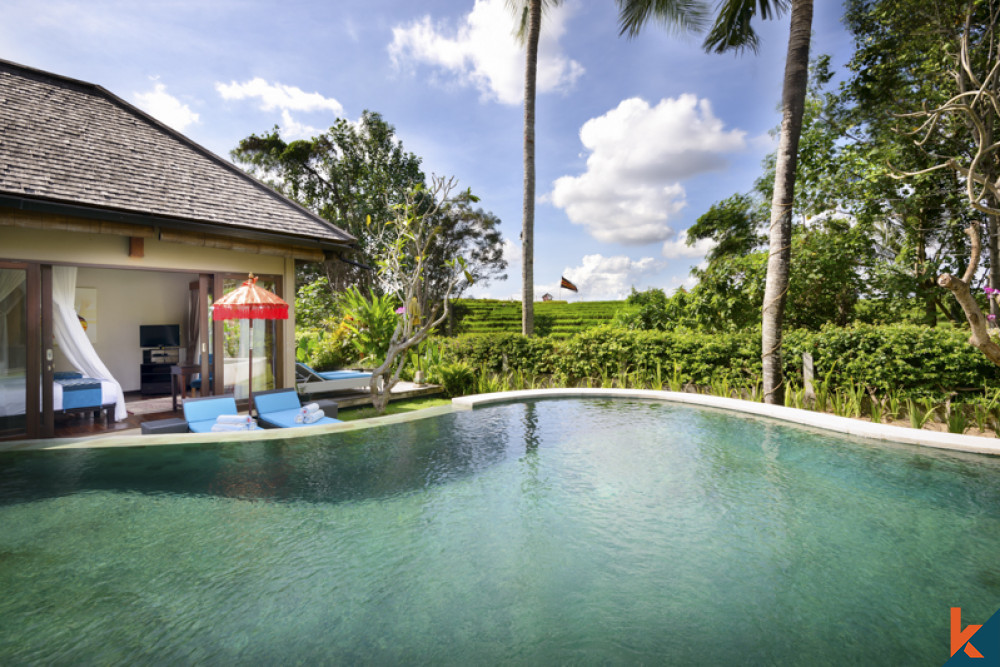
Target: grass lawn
column 394, row 408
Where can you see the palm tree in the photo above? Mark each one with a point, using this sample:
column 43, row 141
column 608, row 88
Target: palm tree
column 732, row 31
column 530, row 25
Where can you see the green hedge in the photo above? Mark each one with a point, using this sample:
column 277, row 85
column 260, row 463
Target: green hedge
column 911, row 358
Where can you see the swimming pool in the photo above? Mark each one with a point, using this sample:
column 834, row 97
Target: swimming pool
column 583, row 530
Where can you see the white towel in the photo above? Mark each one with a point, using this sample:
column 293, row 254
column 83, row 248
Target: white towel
column 233, row 419
column 300, row 416
column 313, row 417
column 227, row 428
column 311, row 407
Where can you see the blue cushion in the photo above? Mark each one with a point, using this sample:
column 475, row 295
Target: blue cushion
column 66, row 375
column 286, row 419
column 209, row 409
column 344, row 375
column 279, row 400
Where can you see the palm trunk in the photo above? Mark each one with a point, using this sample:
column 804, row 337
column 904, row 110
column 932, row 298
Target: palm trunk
column 528, row 228
column 779, row 257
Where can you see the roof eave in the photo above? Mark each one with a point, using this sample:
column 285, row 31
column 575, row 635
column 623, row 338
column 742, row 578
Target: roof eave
column 58, row 207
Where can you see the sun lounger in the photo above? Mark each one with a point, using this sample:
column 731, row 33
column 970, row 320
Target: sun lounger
column 280, row 408
column 317, row 382
column 202, row 415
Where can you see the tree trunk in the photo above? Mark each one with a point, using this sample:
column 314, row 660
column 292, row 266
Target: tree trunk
column 994, row 246
column 779, row 255
column 528, row 227
column 980, row 337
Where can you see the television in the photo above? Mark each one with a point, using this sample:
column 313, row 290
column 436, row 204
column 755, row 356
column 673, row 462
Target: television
column 159, row 335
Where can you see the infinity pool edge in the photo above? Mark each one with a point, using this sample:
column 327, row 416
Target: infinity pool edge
column 823, row 421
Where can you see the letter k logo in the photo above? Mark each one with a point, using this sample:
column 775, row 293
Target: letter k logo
column 960, row 637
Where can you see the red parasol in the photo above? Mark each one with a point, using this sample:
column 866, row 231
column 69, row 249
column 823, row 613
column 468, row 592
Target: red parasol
column 249, row 302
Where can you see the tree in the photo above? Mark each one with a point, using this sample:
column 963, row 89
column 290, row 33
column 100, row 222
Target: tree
column 733, row 31
column 407, row 260
column 971, row 55
column 915, row 225
column 731, row 224
column 349, row 175
column 354, row 175
column 529, row 27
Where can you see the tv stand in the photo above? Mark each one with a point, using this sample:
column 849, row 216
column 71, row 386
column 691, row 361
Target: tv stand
column 154, row 373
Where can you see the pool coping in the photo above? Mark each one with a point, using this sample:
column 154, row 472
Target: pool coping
column 138, row 440
column 823, row 421
column 826, row 422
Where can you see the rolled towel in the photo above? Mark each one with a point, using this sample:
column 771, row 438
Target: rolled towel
column 227, row 428
column 311, row 407
column 313, row 417
column 233, row 419
column 300, row 416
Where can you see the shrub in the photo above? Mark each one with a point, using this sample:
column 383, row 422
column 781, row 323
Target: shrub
column 327, row 348
column 457, row 379
column 911, row 359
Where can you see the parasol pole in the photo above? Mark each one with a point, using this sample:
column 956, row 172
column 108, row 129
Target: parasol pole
column 250, row 365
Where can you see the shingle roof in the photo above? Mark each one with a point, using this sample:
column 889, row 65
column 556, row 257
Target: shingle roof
column 69, row 141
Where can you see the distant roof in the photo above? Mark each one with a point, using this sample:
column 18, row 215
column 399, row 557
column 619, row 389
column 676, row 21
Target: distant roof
column 70, row 142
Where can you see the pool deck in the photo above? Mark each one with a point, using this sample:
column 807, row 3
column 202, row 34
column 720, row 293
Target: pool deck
column 825, row 422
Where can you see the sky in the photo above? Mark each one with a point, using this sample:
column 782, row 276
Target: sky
column 635, row 139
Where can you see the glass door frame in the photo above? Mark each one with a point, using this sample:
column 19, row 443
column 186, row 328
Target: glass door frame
column 39, row 353
column 209, row 285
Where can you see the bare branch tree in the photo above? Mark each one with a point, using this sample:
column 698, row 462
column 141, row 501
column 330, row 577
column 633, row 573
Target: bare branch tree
column 404, row 266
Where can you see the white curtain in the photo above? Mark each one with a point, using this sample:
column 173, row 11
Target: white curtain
column 71, row 337
column 10, row 280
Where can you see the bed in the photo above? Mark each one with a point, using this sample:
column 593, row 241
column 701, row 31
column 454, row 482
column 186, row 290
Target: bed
column 71, row 393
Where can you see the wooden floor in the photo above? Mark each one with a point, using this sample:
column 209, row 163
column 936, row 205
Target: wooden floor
column 75, row 425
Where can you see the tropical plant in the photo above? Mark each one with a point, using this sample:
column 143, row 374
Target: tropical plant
column 919, row 416
column 457, row 379
column 372, row 320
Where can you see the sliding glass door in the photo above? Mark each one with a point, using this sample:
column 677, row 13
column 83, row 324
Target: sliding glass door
column 25, row 361
column 13, row 352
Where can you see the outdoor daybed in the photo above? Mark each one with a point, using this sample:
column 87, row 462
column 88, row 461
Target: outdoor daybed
column 279, row 408
column 202, row 414
column 309, row 381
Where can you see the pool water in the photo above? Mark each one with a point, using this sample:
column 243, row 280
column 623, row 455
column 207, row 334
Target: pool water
column 557, row 531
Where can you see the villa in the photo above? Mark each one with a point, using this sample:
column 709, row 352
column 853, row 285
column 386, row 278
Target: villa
column 110, row 218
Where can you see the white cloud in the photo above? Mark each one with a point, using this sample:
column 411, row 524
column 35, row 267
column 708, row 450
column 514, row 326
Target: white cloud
column 286, row 98
column 600, row 277
column 679, row 248
column 512, row 251
column 292, row 129
column 166, row 108
column 483, row 52
column 638, row 155
column 278, row 96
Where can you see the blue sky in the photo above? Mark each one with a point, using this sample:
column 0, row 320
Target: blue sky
column 635, row 138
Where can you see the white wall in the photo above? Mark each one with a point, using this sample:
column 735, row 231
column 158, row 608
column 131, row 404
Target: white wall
column 126, row 299
column 84, row 249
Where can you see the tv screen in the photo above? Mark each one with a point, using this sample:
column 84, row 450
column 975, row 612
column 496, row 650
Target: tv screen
column 159, row 335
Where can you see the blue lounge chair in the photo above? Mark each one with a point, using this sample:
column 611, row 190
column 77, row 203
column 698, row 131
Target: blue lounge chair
column 310, row 381
column 201, row 413
column 277, row 408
